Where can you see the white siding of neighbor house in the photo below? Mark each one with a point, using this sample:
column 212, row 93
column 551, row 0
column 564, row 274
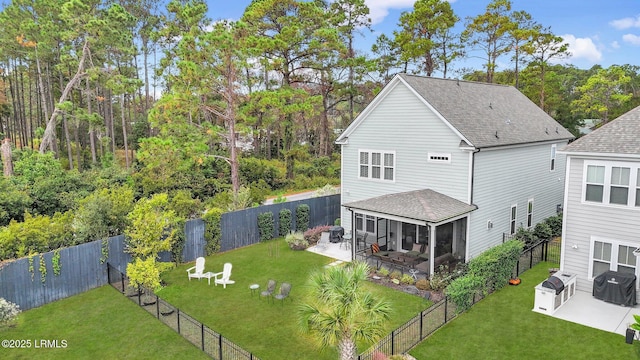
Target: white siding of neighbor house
column 403, row 124
column 582, row 221
column 511, row 176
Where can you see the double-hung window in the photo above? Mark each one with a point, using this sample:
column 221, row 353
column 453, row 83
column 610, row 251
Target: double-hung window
column 379, row 165
column 595, row 183
column 619, row 185
column 530, row 213
column 553, row 157
column 512, row 219
column 612, row 255
column 365, row 223
column 612, row 183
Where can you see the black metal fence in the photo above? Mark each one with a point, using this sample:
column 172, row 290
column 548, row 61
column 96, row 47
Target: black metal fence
column 404, row 338
column 209, row 341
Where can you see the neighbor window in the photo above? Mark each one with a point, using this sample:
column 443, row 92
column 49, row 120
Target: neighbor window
column 512, row 222
column 530, row 213
column 638, row 188
column 553, row 157
column 612, row 183
column 378, row 165
column 611, row 255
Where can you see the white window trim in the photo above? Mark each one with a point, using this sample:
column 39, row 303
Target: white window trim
column 615, row 244
column 513, row 219
column 439, row 158
column 382, row 165
column 606, row 192
column 552, row 160
column 530, row 213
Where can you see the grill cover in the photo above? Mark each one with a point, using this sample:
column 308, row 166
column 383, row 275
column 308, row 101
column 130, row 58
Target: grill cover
column 555, row 283
column 615, row 287
column 335, row 234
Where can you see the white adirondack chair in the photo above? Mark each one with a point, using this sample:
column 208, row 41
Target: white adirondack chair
column 198, row 270
column 223, row 277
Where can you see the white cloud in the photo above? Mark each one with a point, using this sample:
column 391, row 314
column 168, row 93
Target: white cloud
column 631, row 39
column 379, row 9
column 582, row 48
column 615, row 45
column 626, row 23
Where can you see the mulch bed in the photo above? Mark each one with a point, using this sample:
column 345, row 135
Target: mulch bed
column 432, row 295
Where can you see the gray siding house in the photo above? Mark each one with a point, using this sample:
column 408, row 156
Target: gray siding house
column 450, row 164
column 601, row 222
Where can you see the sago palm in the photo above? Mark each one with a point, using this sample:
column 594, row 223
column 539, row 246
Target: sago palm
column 340, row 312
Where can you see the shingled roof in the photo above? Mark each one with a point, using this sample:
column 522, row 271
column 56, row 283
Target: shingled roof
column 487, row 115
column 425, row 205
column 619, row 136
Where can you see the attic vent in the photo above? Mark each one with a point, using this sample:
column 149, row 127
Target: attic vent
column 490, row 106
column 497, row 137
column 546, row 131
column 440, row 158
column 557, row 130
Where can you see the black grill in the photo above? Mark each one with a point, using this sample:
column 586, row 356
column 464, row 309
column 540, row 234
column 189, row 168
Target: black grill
column 615, row 287
column 336, row 233
column 555, row 283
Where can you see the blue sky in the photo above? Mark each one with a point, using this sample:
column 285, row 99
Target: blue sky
column 605, row 32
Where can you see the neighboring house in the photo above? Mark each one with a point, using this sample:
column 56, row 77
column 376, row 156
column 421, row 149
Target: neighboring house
column 451, row 164
column 601, row 221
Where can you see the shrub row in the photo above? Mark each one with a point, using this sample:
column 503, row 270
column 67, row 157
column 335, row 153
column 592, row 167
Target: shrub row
column 489, row 271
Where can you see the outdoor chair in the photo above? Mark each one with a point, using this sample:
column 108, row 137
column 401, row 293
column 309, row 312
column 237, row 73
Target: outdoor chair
column 324, row 240
column 223, row 277
column 285, row 289
column 198, row 270
column 271, row 287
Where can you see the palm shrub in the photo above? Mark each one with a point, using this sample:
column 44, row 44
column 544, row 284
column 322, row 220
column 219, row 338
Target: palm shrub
column 340, row 312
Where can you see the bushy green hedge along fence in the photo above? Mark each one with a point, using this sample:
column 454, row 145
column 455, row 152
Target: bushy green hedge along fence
column 284, row 226
column 489, row 271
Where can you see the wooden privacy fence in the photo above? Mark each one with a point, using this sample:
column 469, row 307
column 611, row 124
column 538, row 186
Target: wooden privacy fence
column 81, row 268
column 404, row 338
column 209, row 341
column 43, row 278
column 240, row 228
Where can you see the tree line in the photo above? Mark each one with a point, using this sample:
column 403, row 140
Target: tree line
column 182, row 100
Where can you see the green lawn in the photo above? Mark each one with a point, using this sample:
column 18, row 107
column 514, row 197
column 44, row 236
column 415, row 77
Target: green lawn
column 100, row 324
column 268, row 330
column 502, row 326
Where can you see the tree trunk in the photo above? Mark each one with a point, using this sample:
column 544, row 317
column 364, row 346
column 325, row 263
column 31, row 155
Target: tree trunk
column 347, row 349
column 92, row 136
column 7, row 164
column 124, row 132
column 49, row 137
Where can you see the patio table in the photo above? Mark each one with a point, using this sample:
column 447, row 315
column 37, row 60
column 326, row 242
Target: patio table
column 253, row 288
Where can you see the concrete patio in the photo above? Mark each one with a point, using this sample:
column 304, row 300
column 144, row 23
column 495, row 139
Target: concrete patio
column 584, row 309
column 338, row 251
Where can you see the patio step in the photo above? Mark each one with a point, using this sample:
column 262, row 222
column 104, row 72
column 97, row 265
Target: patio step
column 337, row 262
